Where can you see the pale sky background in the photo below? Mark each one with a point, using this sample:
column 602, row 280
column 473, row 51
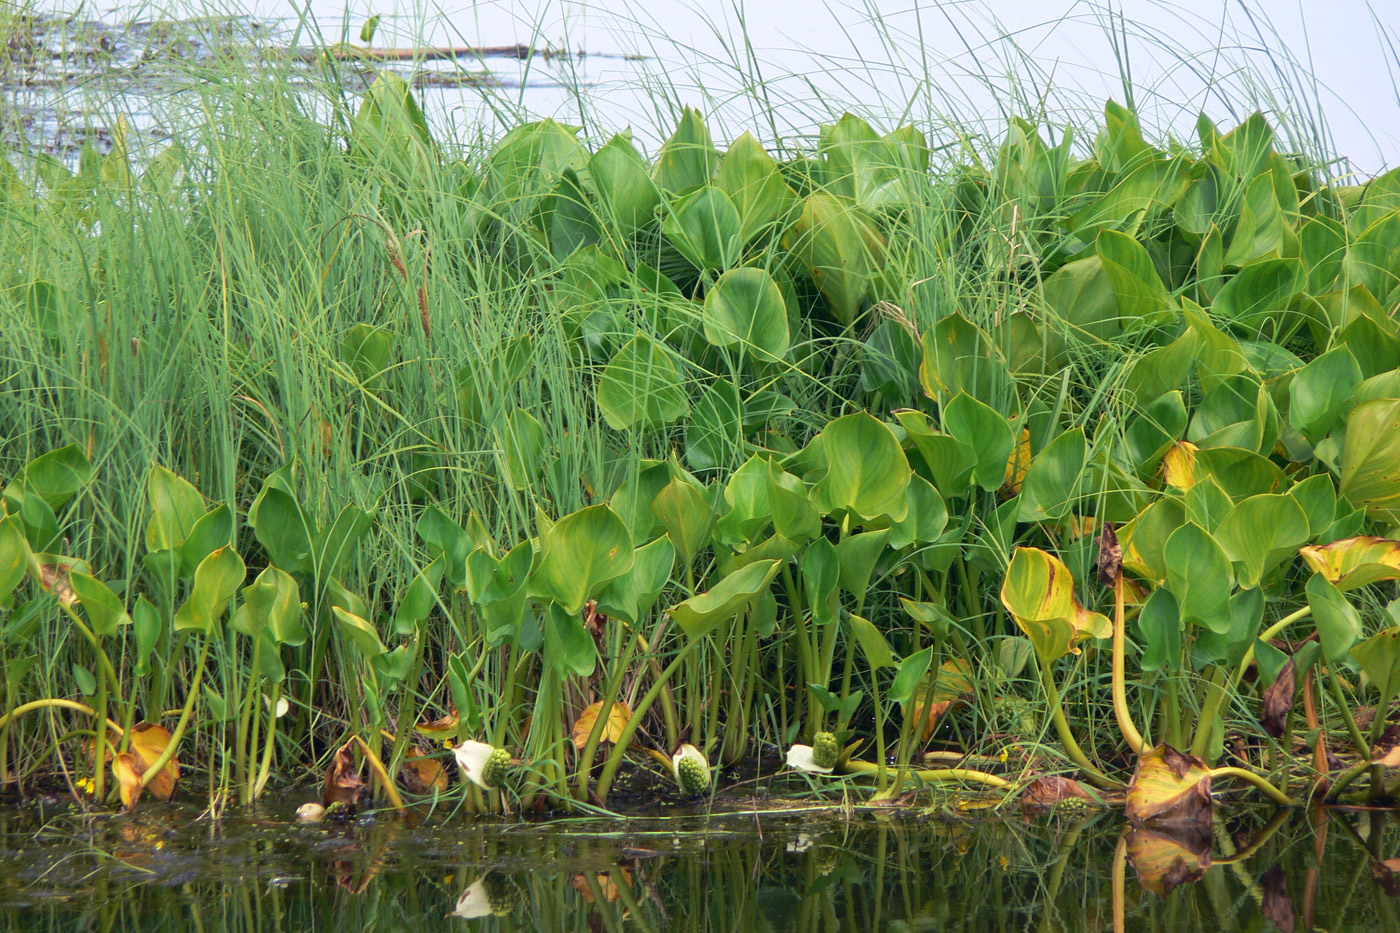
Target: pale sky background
column 1185, row 56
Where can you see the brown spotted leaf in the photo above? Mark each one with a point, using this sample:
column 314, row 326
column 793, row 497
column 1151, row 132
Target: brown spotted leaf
column 1278, row 701
column 1169, row 787
column 1166, row 860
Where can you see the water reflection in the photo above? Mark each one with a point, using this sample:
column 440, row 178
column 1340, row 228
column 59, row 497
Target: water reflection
column 170, row 869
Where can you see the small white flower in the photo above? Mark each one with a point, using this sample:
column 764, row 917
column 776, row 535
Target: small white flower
column 799, row 758
column 475, row 901
column 482, row 763
column 691, row 770
column 282, row 705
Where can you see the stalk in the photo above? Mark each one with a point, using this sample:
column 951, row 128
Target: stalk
column 620, row 746
column 1120, row 693
column 595, row 735
column 1072, row 749
column 1334, row 686
column 939, row 775
column 169, row 751
column 1210, row 710
column 1270, row 791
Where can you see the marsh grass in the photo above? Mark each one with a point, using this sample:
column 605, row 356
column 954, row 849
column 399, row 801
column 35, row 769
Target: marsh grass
column 205, row 284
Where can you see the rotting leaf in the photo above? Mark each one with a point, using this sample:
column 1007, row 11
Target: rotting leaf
column 618, row 717
column 1050, row 790
column 1110, row 563
column 344, row 786
column 1169, row 787
column 1278, row 700
column 934, row 700
column 1166, row 860
column 441, row 728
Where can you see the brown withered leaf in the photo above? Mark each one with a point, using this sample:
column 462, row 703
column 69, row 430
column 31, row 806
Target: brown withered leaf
column 1110, row 563
column 53, row 578
column 1169, row 787
column 1278, row 906
column 343, row 784
column 1390, row 759
column 127, row 769
column 1048, row 790
column 1166, row 860
column 1278, row 701
column 934, row 700
column 421, row 773
column 618, row 717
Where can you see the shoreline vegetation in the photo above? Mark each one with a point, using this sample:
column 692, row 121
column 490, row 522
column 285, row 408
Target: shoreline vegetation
column 536, row 475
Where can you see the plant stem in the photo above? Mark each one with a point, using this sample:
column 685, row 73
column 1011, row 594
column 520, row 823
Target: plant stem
column 1334, row 686
column 620, row 746
column 1072, row 749
column 179, row 732
column 1210, row 711
column 965, row 775
column 1270, row 791
column 1120, row 694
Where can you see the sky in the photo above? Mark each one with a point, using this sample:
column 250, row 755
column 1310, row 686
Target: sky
column 927, row 61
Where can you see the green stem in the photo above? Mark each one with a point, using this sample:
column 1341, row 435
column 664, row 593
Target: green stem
column 1210, row 711
column 964, row 775
column 1120, row 693
column 601, row 721
column 169, row 751
column 633, row 724
column 1072, row 749
column 1334, row 686
column 1270, row 791
column 1268, row 635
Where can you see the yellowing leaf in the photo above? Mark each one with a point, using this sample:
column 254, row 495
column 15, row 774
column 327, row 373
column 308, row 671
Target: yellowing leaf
column 422, row 774
column 148, row 743
column 1039, row 594
column 1169, row 787
column 1018, row 464
column 618, row 716
column 1179, row 465
column 1166, row 860
column 1355, row 562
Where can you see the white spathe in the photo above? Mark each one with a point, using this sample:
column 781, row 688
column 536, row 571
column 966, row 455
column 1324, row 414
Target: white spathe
column 799, row 757
column 471, row 758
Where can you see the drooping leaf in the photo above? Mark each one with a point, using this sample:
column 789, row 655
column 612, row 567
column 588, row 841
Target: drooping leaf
column 702, row 613
column 868, row 474
column 1039, row 593
column 640, row 386
column 1355, row 562
column 216, row 579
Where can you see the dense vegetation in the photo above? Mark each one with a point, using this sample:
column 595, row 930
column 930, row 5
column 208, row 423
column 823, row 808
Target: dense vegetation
column 725, row 456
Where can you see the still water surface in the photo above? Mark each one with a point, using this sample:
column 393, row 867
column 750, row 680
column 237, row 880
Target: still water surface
column 165, row 868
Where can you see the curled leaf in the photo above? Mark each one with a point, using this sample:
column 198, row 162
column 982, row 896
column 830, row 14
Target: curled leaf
column 422, row 774
column 1354, row 562
column 1278, row 701
column 618, row 716
column 1052, row 790
column 1110, row 563
column 343, row 786
column 1169, row 787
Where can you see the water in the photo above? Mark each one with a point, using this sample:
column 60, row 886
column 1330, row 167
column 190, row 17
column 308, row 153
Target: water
column 167, row 868
column 950, row 67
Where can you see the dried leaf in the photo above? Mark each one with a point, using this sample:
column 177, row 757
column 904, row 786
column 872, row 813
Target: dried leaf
column 441, row 728
column 343, row 786
column 422, row 774
column 1390, row 759
column 127, row 769
column 618, row 717
column 148, row 742
column 1167, row 860
column 54, row 579
column 1169, row 788
column 606, row 885
column 1049, row 790
column 934, row 699
column 1110, row 564
column 1278, row 701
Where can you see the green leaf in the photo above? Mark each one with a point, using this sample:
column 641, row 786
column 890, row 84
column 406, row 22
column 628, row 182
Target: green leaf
column 926, row 518
column 580, row 553
column 631, row 596
column 839, row 249
column 688, row 157
column 857, row 555
column 1379, row 657
column 958, row 357
column 756, row 186
column 1137, row 288
column 1200, row 577
column 567, row 644
column 419, row 599
column 702, row 613
column 620, row 175
column 640, row 385
column 367, row 350
column 104, row 609
column 361, row 634
column 872, row 643
column 911, row 673
column 745, row 307
column 794, row 514
column 55, row 477
column 149, row 626
column 14, row 557
column 216, row 579
column 1160, row 623
column 989, row 434
column 1370, row 475
column 1052, row 482
column 949, row 460
column 714, row 434
column 1322, row 391
column 284, row 531
column 1261, row 290
column 521, row 442
column 704, row 227
column 821, row 580
column 688, row 516
column 868, row 474
column 213, row 530
column 445, row 537
column 1260, row 533
column 175, row 508
column 271, row 607
column 1338, row 623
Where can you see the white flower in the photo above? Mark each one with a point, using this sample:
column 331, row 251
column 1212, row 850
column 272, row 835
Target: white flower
column 282, row 705
column 475, row 901
column 799, row 757
column 482, row 763
column 691, row 770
